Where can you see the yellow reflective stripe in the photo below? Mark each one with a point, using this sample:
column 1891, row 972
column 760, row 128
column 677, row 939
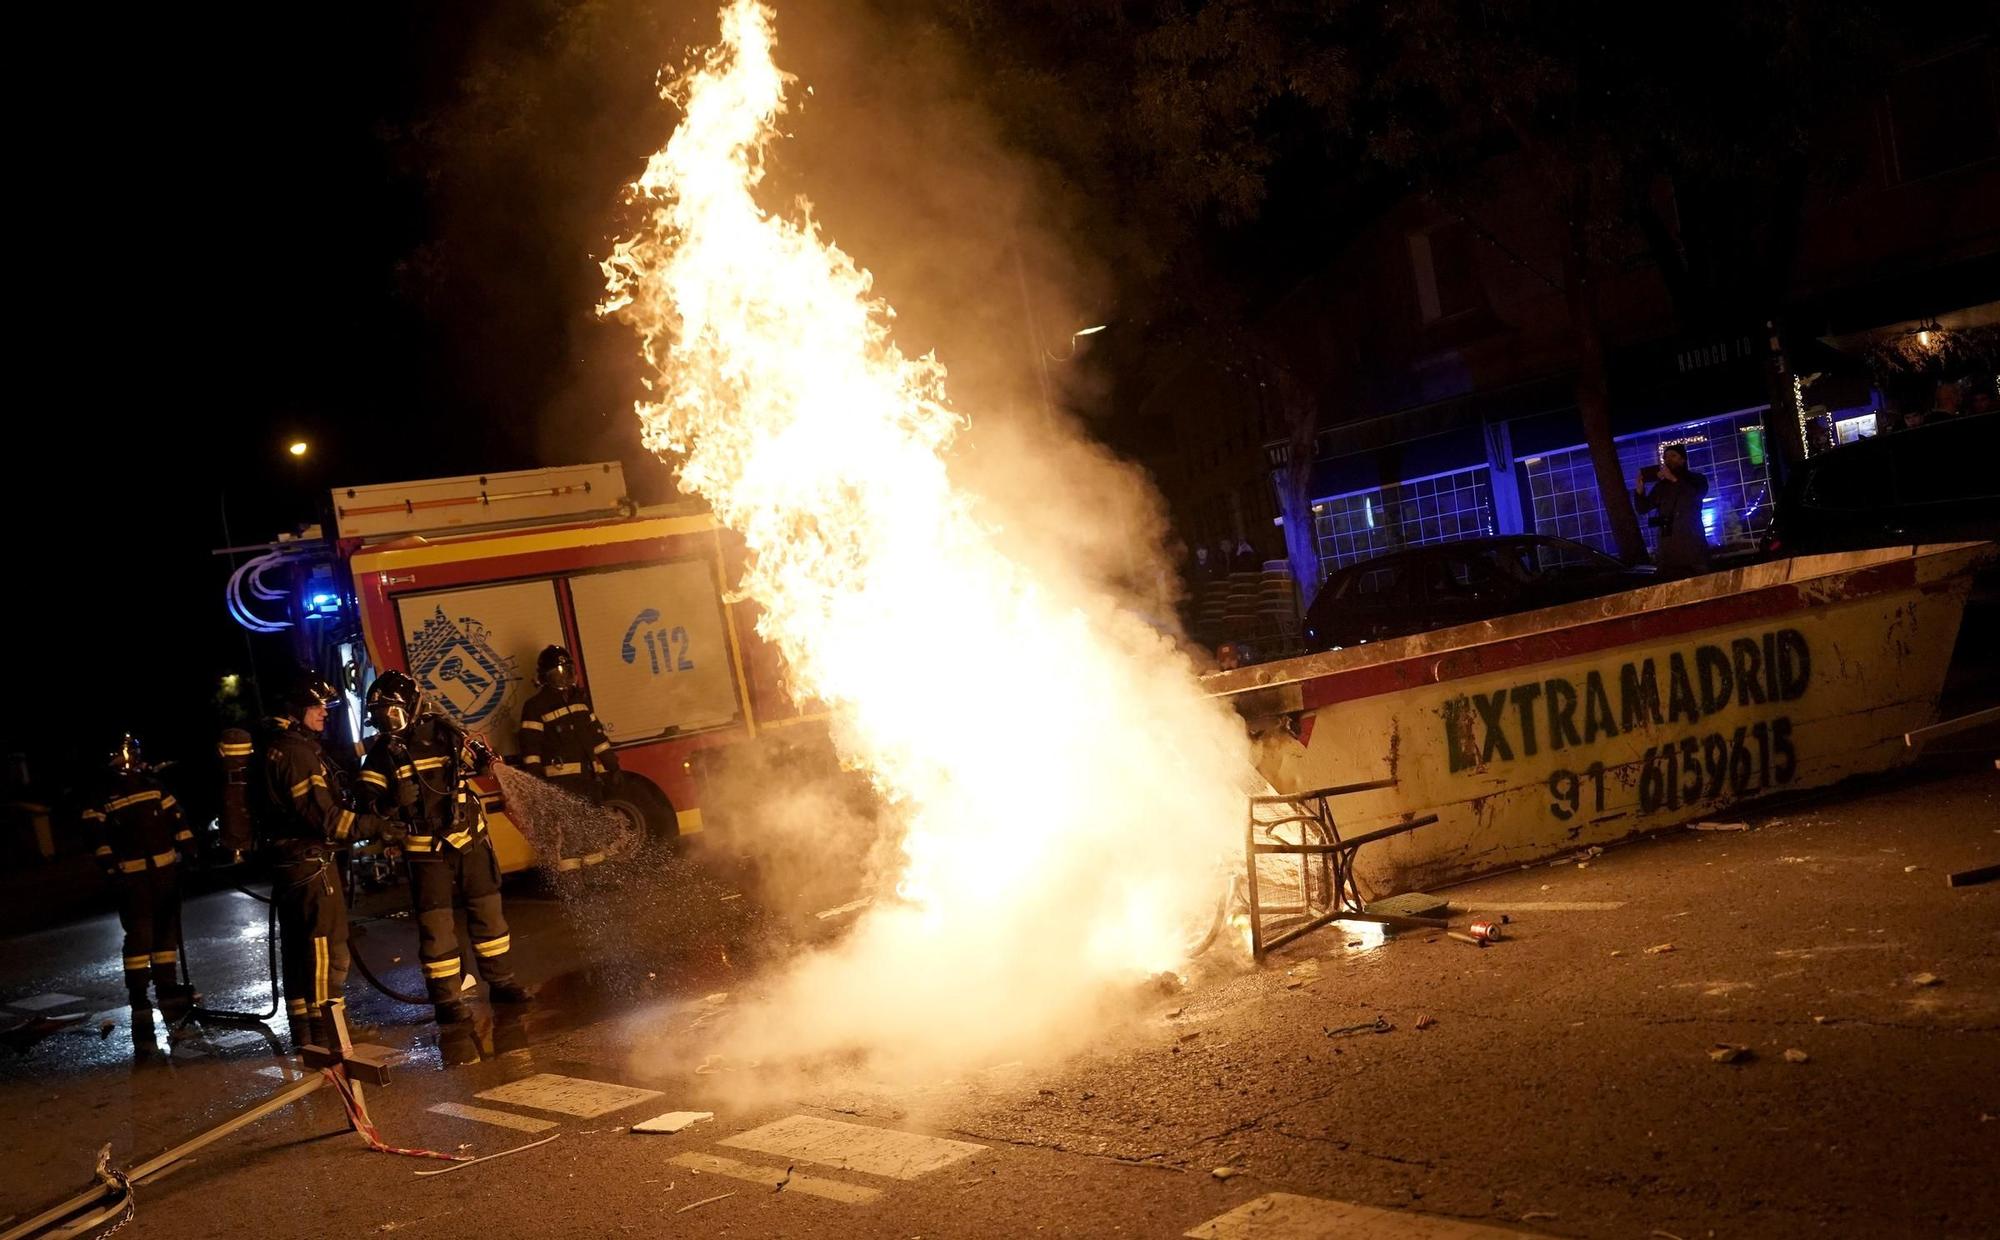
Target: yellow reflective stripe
column 183, row 834
column 602, row 747
column 459, row 839
column 343, row 822
column 441, row 968
column 418, row 843
column 563, row 768
column 429, row 764
column 299, row 789
column 165, row 859
column 317, row 780
column 168, row 956
column 168, row 802
column 150, row 794
column 404, row 772
column 319, row 969
column 132, row 867
column 296, row 1007
column 376, row 778
column 493, row 947
column 531, row 725
column 93, row 815
column 241, row 749
column 103, row 850
column 531, row 759
column 138, row 964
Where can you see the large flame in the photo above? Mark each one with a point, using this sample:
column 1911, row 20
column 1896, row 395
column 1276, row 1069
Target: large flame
column 1064, row 786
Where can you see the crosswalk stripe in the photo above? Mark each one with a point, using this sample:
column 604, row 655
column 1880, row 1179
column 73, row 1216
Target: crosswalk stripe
column 854, row 1147
column 1289, row 1216
column 42, row 1003
column 568, row 1095
column 484, row 1115
column 773, row 1177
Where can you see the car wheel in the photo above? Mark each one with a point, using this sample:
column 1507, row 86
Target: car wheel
column 648, row 817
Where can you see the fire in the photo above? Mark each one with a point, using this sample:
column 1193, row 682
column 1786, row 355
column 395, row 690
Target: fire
column 1063, row 786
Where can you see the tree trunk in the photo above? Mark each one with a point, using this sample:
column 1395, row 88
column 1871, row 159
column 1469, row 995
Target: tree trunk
column 1593, row 400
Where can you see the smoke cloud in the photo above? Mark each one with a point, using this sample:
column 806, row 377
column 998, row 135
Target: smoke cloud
column 971, row 585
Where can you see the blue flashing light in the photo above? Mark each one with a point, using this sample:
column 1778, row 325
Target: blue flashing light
column 1708, row 517
column 323, row 604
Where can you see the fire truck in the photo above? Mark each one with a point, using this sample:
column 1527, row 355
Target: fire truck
column 461, row 582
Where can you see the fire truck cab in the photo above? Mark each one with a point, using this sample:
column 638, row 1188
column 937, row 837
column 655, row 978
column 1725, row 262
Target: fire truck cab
column 462, row 582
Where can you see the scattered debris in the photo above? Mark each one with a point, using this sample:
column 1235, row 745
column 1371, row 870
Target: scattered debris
column 490, row 1157
column 1379, row 1025
column 704, row 1201
column 1165, row 983
column 1226, row 1173
column 1718, row 826
column 1616, row 953
column 1661, row 949
column 1463, row 937
column 1822, row 1020
column 1926, row 979
column 1795, row 1055
column 1911, row 869
column 1656, row 1234
column 1490, row 931
column 104, row 1027
column 1426, row 1022
column 1410, row 904
column 1795, row 860
column 672, row 1121
column 1731, row 1052
column 1975, row 876
column 1536, row 1215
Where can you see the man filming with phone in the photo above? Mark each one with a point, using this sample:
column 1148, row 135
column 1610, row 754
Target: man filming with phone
column 1673, row 493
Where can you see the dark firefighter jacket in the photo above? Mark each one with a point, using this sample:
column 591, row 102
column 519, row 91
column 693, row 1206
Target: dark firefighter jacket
column 560, row 736
column 137, row 824
column 422, row 779
column 302, row 804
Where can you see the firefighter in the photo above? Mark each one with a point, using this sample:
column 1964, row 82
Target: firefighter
column 141, row 833
column 306, row 819
column 419, row 770
column 562, row 742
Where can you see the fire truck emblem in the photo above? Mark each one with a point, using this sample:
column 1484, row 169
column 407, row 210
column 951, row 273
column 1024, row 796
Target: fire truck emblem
column 457, row 665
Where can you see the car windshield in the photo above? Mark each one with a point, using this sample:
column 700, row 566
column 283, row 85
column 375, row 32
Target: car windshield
column 1559, row 554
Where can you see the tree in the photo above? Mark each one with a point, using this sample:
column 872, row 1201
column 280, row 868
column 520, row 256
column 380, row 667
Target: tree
column 1229, row 106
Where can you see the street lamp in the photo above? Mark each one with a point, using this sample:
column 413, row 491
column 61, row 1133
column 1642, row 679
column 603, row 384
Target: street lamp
column 297, row 447
column 1073, row 338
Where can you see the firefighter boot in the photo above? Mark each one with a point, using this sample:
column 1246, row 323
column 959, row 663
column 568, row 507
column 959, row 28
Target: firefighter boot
column 509, row 991
column 176, row 1002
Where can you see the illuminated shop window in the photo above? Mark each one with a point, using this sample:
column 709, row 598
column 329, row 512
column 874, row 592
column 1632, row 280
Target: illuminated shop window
column 1438, row 509
column 1728, row 450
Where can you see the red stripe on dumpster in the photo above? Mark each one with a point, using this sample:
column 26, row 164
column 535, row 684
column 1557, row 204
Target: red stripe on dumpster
column 1577, row 640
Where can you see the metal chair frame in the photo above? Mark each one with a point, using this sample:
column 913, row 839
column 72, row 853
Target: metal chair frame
column 1328, row 890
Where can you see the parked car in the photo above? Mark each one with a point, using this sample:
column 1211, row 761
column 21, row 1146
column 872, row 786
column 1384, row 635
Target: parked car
column 1438, row 586
column 1939, row 482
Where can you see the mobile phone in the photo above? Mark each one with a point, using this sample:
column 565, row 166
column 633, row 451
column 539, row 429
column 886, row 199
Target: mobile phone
column 1650, row 474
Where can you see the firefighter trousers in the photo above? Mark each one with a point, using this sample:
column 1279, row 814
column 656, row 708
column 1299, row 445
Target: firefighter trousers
column 438, row 883
column 149, row 907
column 581, row 837
column 312, row 934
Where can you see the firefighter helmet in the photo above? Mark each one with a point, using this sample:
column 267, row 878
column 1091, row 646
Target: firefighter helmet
column 125, row 754
column 553, row 667
column 307, row 690
column 392, row 701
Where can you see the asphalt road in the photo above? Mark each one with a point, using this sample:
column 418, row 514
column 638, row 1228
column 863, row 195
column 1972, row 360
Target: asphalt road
column 1557, row 1083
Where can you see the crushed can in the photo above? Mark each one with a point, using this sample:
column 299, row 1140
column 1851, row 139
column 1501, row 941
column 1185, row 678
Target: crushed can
column 1485, row 931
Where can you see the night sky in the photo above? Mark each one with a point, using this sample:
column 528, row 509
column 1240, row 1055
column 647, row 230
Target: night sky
column 223, row 228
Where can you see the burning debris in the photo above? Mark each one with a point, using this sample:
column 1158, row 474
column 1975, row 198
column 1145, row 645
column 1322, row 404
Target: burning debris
column 1064, row 822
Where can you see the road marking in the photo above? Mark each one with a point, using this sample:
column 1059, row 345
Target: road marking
column 773, row 1177
column 854, row 1147
column 568, row 1095
column 521, row 1123
column 42, row 1003
column 1288, row 1216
